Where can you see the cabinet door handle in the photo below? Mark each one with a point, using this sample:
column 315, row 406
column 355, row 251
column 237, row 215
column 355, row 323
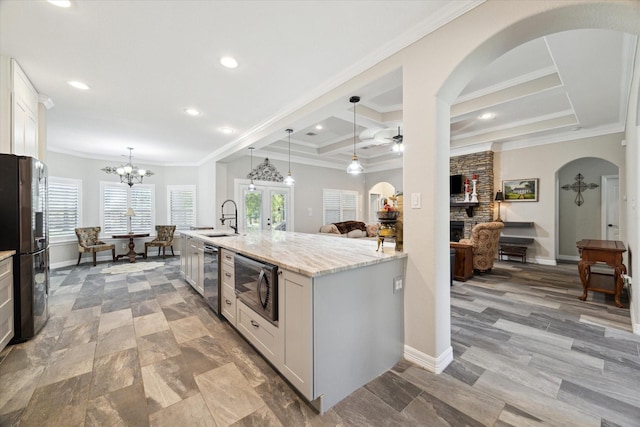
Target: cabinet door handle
column 227, row 274
column 254, row 324
column 227, row 301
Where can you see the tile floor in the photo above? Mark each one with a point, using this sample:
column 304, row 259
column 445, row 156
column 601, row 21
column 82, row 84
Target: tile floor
column 142, row 349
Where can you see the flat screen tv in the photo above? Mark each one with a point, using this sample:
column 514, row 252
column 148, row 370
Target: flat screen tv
column 455, row 184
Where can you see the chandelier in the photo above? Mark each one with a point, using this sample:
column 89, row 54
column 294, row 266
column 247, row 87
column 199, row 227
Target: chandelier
column 129, row 174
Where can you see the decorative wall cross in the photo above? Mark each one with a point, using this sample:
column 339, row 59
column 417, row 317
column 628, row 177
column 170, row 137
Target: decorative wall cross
column 579, row 186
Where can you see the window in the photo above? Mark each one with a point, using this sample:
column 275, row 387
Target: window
column 339, row 205
column 65, row 202
column 114, row 201
column 181, row 207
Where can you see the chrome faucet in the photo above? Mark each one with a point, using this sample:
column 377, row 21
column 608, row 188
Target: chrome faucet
column 226, row 217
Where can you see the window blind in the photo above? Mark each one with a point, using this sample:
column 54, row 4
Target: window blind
column 339, row 205
column 182, row 206
column 116, row 198
column 64, row 207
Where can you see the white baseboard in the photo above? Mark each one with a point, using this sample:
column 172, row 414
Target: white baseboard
column 430, row 363
column 571, row 258
column 635, row 321
column 635, row 325
column 545, row 261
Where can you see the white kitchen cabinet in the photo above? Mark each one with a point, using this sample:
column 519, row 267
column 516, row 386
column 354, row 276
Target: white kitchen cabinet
column 296, row 322
column 6, row 301
column 183, row 251
column 194, row 263
column 24, row 112
column 264, row 336
column 229, row 303
column 337, row 328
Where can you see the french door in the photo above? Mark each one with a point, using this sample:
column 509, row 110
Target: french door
column 268, row 207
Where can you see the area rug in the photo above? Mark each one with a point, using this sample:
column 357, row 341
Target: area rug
column 135, row 267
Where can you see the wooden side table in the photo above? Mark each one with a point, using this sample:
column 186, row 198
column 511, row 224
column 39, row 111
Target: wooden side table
column 606, row 251
column 132, row 253
column 463, row 266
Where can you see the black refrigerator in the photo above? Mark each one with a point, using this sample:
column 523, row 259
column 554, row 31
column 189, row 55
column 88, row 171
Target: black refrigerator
column 24, row 228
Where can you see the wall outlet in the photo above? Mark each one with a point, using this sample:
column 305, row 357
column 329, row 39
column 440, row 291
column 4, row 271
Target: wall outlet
column 397, row 284
column 124, row 246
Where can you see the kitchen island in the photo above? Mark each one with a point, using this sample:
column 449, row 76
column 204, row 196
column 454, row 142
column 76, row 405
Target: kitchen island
column 340, row 309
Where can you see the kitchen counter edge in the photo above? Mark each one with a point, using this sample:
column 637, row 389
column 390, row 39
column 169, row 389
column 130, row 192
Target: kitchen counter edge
column 308, row 254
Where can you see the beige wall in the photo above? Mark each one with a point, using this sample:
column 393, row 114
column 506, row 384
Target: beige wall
column 310, row 180
column 543, row 162
column 632, row 222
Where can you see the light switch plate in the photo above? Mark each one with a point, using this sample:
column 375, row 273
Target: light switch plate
column 415, row 201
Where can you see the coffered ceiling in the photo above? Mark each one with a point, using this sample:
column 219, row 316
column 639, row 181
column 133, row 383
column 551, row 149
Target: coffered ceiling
column 148, row 61
column 562, row 87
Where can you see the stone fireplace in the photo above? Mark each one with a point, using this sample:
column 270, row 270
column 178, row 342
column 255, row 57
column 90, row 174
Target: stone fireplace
column 467, row 165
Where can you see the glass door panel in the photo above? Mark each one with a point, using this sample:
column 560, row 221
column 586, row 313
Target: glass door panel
column 266, row 208
column 278, row 217
column 252, row 210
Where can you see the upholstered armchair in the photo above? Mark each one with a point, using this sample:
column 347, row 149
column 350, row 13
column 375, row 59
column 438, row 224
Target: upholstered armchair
column 164, row 238
column 89, row 241
column 485, row 238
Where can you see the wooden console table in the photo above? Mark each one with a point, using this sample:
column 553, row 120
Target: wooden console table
column 132, row 253
column 606, row 251
column 463, row 266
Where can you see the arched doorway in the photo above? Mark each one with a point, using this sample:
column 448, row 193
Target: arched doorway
column 581, row 183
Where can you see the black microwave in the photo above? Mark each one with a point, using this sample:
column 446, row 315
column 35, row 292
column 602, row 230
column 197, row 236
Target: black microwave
column 256, row 285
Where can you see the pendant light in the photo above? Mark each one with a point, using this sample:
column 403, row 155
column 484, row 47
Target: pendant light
column 289, row 179
column 252, row 186
column 355, row 167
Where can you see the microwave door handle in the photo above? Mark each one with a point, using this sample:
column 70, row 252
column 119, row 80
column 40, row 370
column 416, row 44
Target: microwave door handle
column 260, row 280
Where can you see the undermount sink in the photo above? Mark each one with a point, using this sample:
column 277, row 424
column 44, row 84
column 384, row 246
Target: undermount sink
column 217, row 235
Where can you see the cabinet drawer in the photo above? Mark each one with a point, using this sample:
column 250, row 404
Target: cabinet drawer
column 6, row 267
column 227, row 257
column 258, row 331
column 229, row 304
column 6, row 309
column 227, row 276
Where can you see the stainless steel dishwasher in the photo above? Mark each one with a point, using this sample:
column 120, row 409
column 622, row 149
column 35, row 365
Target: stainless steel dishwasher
column 212, row 277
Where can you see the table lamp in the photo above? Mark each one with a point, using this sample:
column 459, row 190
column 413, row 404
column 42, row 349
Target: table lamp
column 130, row 213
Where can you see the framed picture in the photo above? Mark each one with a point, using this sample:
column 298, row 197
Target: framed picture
column 520, row 190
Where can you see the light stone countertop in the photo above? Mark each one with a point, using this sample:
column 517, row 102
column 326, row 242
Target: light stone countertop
column 308, row 254
column 6, row 254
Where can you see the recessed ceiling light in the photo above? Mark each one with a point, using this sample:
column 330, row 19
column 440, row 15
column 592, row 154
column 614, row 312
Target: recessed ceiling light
column 78, row 85
column 192, row 112
column 226, row 130
column 60, row 3
column 228, row 62
column 487, row 116
column 319, row 127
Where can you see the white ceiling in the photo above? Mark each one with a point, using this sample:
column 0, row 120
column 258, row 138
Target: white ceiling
column 146, row 61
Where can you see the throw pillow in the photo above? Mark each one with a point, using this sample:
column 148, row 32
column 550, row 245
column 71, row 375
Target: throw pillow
column 357, row 233
column 372, row 230
column 329, row 228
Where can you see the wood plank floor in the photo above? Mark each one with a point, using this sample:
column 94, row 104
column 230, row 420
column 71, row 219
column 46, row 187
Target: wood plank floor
column 142, row 349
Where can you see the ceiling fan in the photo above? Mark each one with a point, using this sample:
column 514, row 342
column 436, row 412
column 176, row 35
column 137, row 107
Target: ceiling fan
column 398, row 147
column 398, row 137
